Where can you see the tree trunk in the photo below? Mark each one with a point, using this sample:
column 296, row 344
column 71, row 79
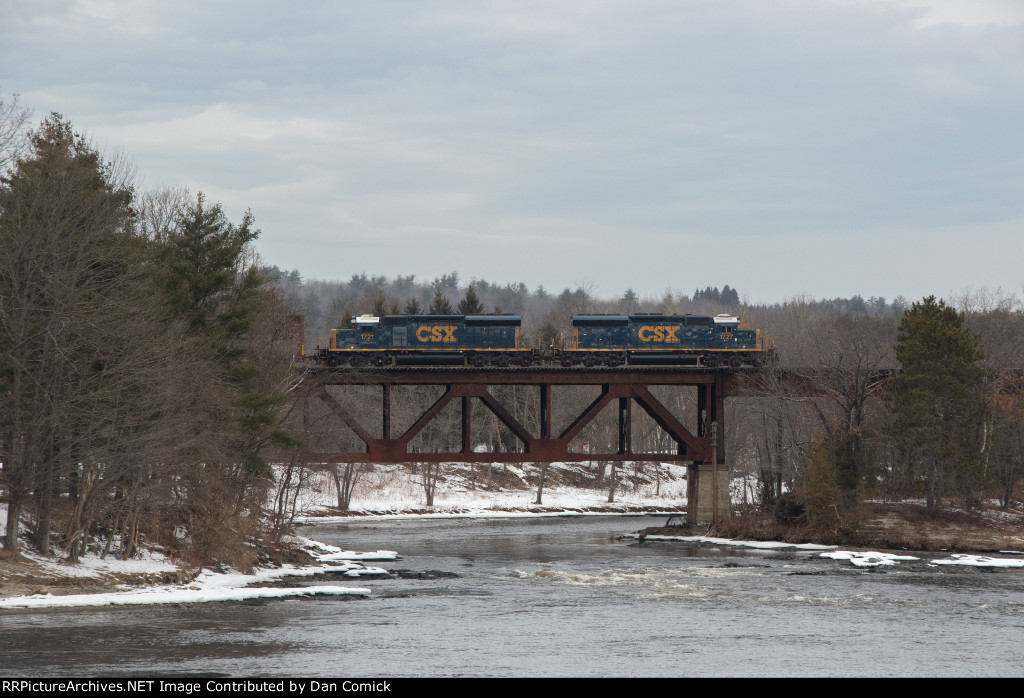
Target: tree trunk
column 44, row 502
column 13, row 519
column 431, row 472
column 540, row 482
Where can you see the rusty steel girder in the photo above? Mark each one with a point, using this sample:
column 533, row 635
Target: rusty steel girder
column 622, row 386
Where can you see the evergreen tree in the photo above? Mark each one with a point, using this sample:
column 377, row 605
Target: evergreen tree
column 380, row 304
column 208, row 274
column 630, row 301
column 440, row 305
column 204, row 275
column 470, row 305
column 939, row 403
column 413, row 307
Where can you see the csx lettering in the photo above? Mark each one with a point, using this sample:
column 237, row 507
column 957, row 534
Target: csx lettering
column 437, row 333
column 660, row 333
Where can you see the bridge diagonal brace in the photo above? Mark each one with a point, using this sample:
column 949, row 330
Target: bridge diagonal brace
column 672, row 426
column 592, row 411
column 506, row 418
column 346, row 416
column 427, row 416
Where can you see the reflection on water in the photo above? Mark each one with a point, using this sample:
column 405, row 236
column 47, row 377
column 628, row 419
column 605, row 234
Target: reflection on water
column 556, row 597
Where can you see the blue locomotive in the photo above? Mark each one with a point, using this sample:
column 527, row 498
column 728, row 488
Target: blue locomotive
column 490, row 339
column 656, row 338
column 597, row 340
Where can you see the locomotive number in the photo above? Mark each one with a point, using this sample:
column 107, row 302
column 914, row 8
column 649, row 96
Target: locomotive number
column 725, row 336
column 437, row 333
column 659, row 333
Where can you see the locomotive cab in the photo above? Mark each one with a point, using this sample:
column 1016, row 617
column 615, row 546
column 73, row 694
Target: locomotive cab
column 726, row 326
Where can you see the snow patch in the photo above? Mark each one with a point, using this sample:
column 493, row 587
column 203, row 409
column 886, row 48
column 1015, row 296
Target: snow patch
column 868, row 559
column 979, row 561
column 760, row 544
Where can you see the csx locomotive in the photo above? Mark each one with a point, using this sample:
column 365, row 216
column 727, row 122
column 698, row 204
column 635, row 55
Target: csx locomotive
column 597, row 340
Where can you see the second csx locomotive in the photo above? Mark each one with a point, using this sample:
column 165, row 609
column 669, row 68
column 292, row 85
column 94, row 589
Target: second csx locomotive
column 597, row 340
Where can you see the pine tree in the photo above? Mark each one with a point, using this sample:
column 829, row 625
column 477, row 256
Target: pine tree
column 630, row 301
column 380, row 304
column 470, row 305
column 210, row 281
column 939, row 402
column 440, row 305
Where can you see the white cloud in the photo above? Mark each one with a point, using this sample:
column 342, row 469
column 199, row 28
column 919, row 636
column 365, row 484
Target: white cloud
column 221, row 127
column 965, row 13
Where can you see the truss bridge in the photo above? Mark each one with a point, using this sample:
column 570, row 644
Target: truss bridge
column 384, row 436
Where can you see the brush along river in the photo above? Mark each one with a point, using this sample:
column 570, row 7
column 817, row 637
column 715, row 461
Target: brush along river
column 560, row 597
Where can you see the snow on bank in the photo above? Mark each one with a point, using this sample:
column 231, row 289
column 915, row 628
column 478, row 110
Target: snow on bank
column 92, row 566
column 474, row 514
column 759, row 544
column 462, row 490
column 208, row 586
column 874, row 559
column 330, row 553
column 167, row 595
column 979, row 561
column 857, row 559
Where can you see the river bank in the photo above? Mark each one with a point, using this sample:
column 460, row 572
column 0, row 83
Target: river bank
column 395, row 492
column 894, row 526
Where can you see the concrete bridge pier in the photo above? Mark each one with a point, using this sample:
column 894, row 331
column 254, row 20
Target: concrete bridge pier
column 700, row 493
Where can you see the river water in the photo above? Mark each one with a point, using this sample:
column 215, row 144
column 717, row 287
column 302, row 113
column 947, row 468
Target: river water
column 559, row 597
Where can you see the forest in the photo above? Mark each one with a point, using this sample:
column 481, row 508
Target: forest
column 150, row 392
column 945, row 430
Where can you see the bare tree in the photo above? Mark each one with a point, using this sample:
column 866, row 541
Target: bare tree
column 13, row 139
column 62, row 223
column 430, row 472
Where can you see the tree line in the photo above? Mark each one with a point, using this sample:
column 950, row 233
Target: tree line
column 145, row 358
column 945, row 430
column 331, row 304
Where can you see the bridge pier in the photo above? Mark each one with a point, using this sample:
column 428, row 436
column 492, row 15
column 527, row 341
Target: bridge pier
column 701, row 493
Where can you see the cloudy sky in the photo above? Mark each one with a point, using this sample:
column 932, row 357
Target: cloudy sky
column 823, row 147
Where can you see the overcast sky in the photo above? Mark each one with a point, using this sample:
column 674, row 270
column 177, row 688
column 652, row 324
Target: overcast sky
column 825, row 147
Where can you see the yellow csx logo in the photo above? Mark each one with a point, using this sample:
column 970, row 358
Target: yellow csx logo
column 659, row 333
column 437, row 333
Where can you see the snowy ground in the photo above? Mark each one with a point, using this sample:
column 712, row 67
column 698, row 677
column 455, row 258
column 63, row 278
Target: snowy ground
column 207, row 585
column 392, row 489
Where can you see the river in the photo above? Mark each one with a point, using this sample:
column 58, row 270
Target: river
column 558, row 597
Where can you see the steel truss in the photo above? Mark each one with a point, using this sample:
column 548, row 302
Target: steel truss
column 620, row 387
